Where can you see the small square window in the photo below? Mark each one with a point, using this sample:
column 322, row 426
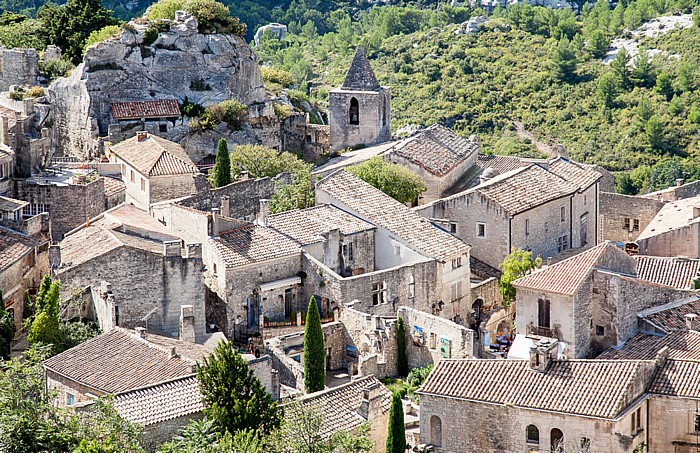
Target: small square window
column 627, row 223
column 70, row 399
column 453, row 227
column 481, row 230
column 600, row 331
column 162, row 128
column 635, row 225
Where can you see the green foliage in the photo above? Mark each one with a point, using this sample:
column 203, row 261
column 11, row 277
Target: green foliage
column 68, row 26
column 608, row 88
column 233, row 397
column 518, row 264
column 77, row 331
column 664, row 85
column 191, row 109
column 564, row 60
column 418, row 375
column 155, row 27
column 401, row 357
column 276, row 76
column 101, row 35
column 314, row 350
column 222, row 168
column 45, row 328
column 394, row 180
column 212, row 16
column 54, row 69
column 396, row 438
column 654, row 131
column 230, row 112
column 696, row 16
column 25, row 33
column 7, row 331
column 598, row 43
column 643, row 73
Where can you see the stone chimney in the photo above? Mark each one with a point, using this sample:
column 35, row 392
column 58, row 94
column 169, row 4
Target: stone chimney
column 689, row 320
column 696, row 212
column 331, row 249
column 542, row 354
column 371, row 406
column 244, row 176
column 141, row 332
column 172, row 353
column 225, row 206
column 679, row 182
column 187, row 323
column 5, row 129
column 215, row 222
column 171, row 248
column 264, row 211
column 55, row 256
column 141, row 136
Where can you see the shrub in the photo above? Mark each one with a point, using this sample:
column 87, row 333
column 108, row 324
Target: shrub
column 101, row 35
column 283, row 111
column 154, row 28
column 230, row 112
column 213, row 17
column 54, row 69
column 274, row 75
column 314, row 350
column 35, row 92
column 18, row 94
column 191, row 109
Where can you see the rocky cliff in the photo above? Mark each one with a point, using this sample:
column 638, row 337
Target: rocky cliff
column 181, row 63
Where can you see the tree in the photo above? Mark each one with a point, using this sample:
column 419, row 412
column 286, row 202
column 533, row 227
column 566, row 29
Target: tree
column 222, row 168
column 7, row 330
column 518, row 264
column 598, row 43
column 654, row 132
column 396, row 437
column 620, row 69
column 395, row 180
column 563, row 60
column 68, row 26
column 233, row 397
column 664, row 85
column 45, row 328
column 696, row 16
column 401, row 359
column 314, row 350
column 643, row 72
column 608, row 88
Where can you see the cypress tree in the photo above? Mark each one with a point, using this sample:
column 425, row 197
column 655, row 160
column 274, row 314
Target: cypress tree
column 222, row 168
column 401, row 359
column 7, row 330
column 396, row 437
column 45, row 328
column 314, row 351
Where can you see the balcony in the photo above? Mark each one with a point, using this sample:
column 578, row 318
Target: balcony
column 541, row 331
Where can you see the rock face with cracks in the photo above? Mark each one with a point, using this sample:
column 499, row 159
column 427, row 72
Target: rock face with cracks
column 181, row 63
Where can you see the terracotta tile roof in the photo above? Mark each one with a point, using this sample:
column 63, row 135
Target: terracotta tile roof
column 375, row 206
column 252, row 244
column 11, row 205
column 498, row 165
column 566, row 276
column 14, row 246
column 118, row 361
column 482, row 270
column 360, row 76
column 162, row 108
column 160, row 402
column 671, row 317
column 595, row 388
column 580, row 175
column 113, row 186
column 525, row 188
column 340, row 404
column 437, row 149
column 155, row 156
column 680, row 378
column 6, row 153
column 677, row 272
column 644, row 346
column 306, row 225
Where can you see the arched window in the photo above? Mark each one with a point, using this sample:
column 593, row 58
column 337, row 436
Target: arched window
column 556, row 441
column 532, row 434
column 436, row 431
column 411, row 287
column 354, row 113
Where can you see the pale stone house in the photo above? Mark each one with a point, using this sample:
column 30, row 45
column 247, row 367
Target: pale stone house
column 158, row 116
column 7, row 168
column 674, row 231
column 624, row 217
column 541, row 404
column 360, row 109
column 153, row 169
column 589, row 302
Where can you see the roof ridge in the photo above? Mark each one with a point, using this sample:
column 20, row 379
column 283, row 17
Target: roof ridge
column 157, row 384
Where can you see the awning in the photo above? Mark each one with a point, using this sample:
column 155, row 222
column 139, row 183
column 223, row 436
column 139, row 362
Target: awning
column 520, row 349
column 284, row 283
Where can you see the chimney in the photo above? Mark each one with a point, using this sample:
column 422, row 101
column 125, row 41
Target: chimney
column 19, row 124
column 679, row 182
column 371, row 406
column 171, row 248
column 244, row 176
column 264, row 210
column 141, row 136
column 5, row 129
column 105, row 287
column 332, row 251
column 55, row 256
column 187, row 323
column 689, row 319
column 141, row 332
column 172, row 353
column 225, row 206
column 542, row 354
column 215, row 223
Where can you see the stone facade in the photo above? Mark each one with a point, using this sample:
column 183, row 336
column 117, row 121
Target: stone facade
column 682, row 241
column 312, row 140
column 23, row 129
column 158, row 433
column 374, row 118
column 672, row 425
column 18, row 67
column 623, row 217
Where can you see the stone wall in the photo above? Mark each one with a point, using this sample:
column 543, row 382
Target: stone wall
column 17, row 277
column 672, row 424
column 169, row 187
column 683, row 241
column 677, row 192
column 374, row 118
column 615, row 208
column 158, row 433
column 18, row 67
column 63, row 386
column 311, row 140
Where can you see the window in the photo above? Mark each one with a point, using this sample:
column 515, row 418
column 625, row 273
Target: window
column 457, row 262
column 635, row 225
column 562, row 214
column 432, row 342
column 585, row 199
column 637, row 420
column 132, row 176
column 481, row 230
column 143, row 184
column 557, row 440
column 453, row 227
column 70, row 399
column 33, row 209
column 384, row 294
column 162, row 128
column 350, row 255
column 600, row 331
column 696, row 419
column 347, row 251
column 546, row 226
column 379, row 293
column 375, row 293
column 11, row 314
column 627, row 223
column 543, row 307
column 411, row 287
column 354, row 113
column 532, row 435
column 562, row 243
column 527, row 227
column 585, row 444
column 397, row 249
column 214, row 268
column 456, row 291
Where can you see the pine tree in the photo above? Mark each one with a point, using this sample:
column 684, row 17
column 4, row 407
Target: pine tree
column 401, row 359
column 396, row 437
column 222, row 169
column 563, row 60
column 233, row 397
column 314, row 351
column 7, row 330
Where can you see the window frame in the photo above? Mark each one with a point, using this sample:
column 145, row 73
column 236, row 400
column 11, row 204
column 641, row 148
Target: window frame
column 480, row 229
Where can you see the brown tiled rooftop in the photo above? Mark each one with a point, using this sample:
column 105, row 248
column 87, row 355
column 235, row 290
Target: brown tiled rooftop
column 252, row 244
column 680, row 273
column 162, row 108
column 679, row 378
column 583, row 176
column 375, row 206
column 595, row 388
column 11, row 205
column 113, row 186
column 160, row 402
column 340, row 404
column 644, row 346
column 155, row 156
column 671, row 317
column 14, row 246
column 118, row 361
column 437, row 149
column 482, row 270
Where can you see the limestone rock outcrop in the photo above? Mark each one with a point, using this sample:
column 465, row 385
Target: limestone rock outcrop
column 181, row 64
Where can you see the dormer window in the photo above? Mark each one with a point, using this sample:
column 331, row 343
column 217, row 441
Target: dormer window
column 354, row 113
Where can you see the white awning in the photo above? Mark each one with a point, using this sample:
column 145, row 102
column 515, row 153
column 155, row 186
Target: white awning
column 284, row 283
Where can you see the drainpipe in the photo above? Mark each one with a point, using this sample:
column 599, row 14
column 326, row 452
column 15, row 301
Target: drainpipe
column 571, row 221
column 510, row 239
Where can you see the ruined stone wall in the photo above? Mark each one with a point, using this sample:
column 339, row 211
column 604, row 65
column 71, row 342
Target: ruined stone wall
column 312, row 140
column 18, row 67
column 615, row 208
column 21, row 275
column 374, row 118
column 172, row 281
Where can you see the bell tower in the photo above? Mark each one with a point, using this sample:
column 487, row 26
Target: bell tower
column 360, row 109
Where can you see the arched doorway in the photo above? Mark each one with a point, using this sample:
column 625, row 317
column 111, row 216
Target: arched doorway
column 436, row 431
column 354, row 112
column 556, row 441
